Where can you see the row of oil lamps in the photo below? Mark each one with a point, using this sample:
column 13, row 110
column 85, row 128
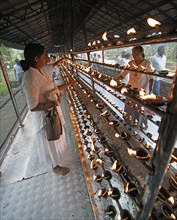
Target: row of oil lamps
column 114, row 192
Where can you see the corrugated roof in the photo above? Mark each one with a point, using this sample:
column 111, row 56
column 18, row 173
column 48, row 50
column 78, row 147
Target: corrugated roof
column 64, row 24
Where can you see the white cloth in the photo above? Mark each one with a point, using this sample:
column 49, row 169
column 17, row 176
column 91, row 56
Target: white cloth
column 18, row 70
column 138, row 80
column 159, row 63
column 37, row 87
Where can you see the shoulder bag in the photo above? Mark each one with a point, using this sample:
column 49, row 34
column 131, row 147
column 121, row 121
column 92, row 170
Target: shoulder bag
column 53, row 124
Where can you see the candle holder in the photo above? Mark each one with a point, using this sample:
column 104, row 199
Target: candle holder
column 167, row 213
column 125, row 215
column 103, row 192
column 107, row 175
column 114, row 193
column 111, row 211
column 173, row 181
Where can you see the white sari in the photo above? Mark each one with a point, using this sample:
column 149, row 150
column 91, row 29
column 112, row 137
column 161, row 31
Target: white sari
column 37, row 87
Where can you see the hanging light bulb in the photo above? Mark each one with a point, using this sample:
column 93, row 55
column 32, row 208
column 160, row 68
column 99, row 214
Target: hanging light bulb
column 152, row 22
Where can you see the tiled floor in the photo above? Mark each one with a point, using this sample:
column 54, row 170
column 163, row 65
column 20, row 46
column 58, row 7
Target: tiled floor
column 30, row 190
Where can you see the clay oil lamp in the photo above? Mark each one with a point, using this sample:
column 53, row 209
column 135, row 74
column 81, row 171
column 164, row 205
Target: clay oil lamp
column 130, row 189
column 173, row 181
column 91, row 157
column 103, row 140
column 117, row 167
column 135, row 122
column 125, row 114
column 93, row 165
column 141, row 139
column 138, row 153
column 125, row 215
column 87, row 149
column 113, row 123
column 150, row 135
column 100, row 161
column 164, row 196
column 147, row 146
column 97, row 131
column 97, row 178
column 95, row 149
column 167, row 213
column 114, row 193
column 111, row 211
column 107, row 175
column 105, row 114
column 143, row 126
column 153, row 216
column 99, row 106
column 88, row 133
column 125, row 135
column 103, row 192
column 108, row 152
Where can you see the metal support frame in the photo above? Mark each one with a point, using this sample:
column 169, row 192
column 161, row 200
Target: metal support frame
column 10, row 91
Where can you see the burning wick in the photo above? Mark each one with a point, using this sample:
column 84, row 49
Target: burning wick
column 116, row 167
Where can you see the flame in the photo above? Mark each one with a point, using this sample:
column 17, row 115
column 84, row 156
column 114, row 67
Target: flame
column 87, row 69
column 152, row 22
column 94, row 42
column 104, row 113
column 123, row 90
column 104, row 36
column 100, row 75
column 98, row 41
column 93, row 166
column 135, row 67
column 100, row 161
column 89, row 44
column 110, row 191
column 116, row 36
column 171, row 200
column 117, row 135
column 131, row 31
column 142, row 68
column 131, row 152
column 150, row 96
column 113, row 83
column 116, row 166
column 173, row 216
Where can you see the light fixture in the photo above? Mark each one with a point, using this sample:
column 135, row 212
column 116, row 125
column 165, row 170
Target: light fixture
column 152, row 22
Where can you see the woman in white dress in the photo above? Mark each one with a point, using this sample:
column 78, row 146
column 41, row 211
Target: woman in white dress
column 37, row 85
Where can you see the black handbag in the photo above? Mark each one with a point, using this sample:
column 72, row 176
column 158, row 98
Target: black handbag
column 53, row 124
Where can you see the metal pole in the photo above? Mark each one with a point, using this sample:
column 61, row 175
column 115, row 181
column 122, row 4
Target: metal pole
column 161, row 156
column 10, row 90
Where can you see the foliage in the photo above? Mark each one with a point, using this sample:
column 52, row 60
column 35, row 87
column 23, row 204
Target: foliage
column 8, row 57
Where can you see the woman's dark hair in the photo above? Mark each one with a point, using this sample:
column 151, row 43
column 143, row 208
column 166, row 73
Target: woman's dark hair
column 30, row 52
column 140, row 49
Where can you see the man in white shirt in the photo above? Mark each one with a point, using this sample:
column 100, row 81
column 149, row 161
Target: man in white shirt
column 18, row 71
column 159, row 63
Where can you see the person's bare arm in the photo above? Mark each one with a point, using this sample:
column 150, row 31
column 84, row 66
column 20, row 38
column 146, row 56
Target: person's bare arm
column 60, row 61
column 151, row 84
column 61, row 87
